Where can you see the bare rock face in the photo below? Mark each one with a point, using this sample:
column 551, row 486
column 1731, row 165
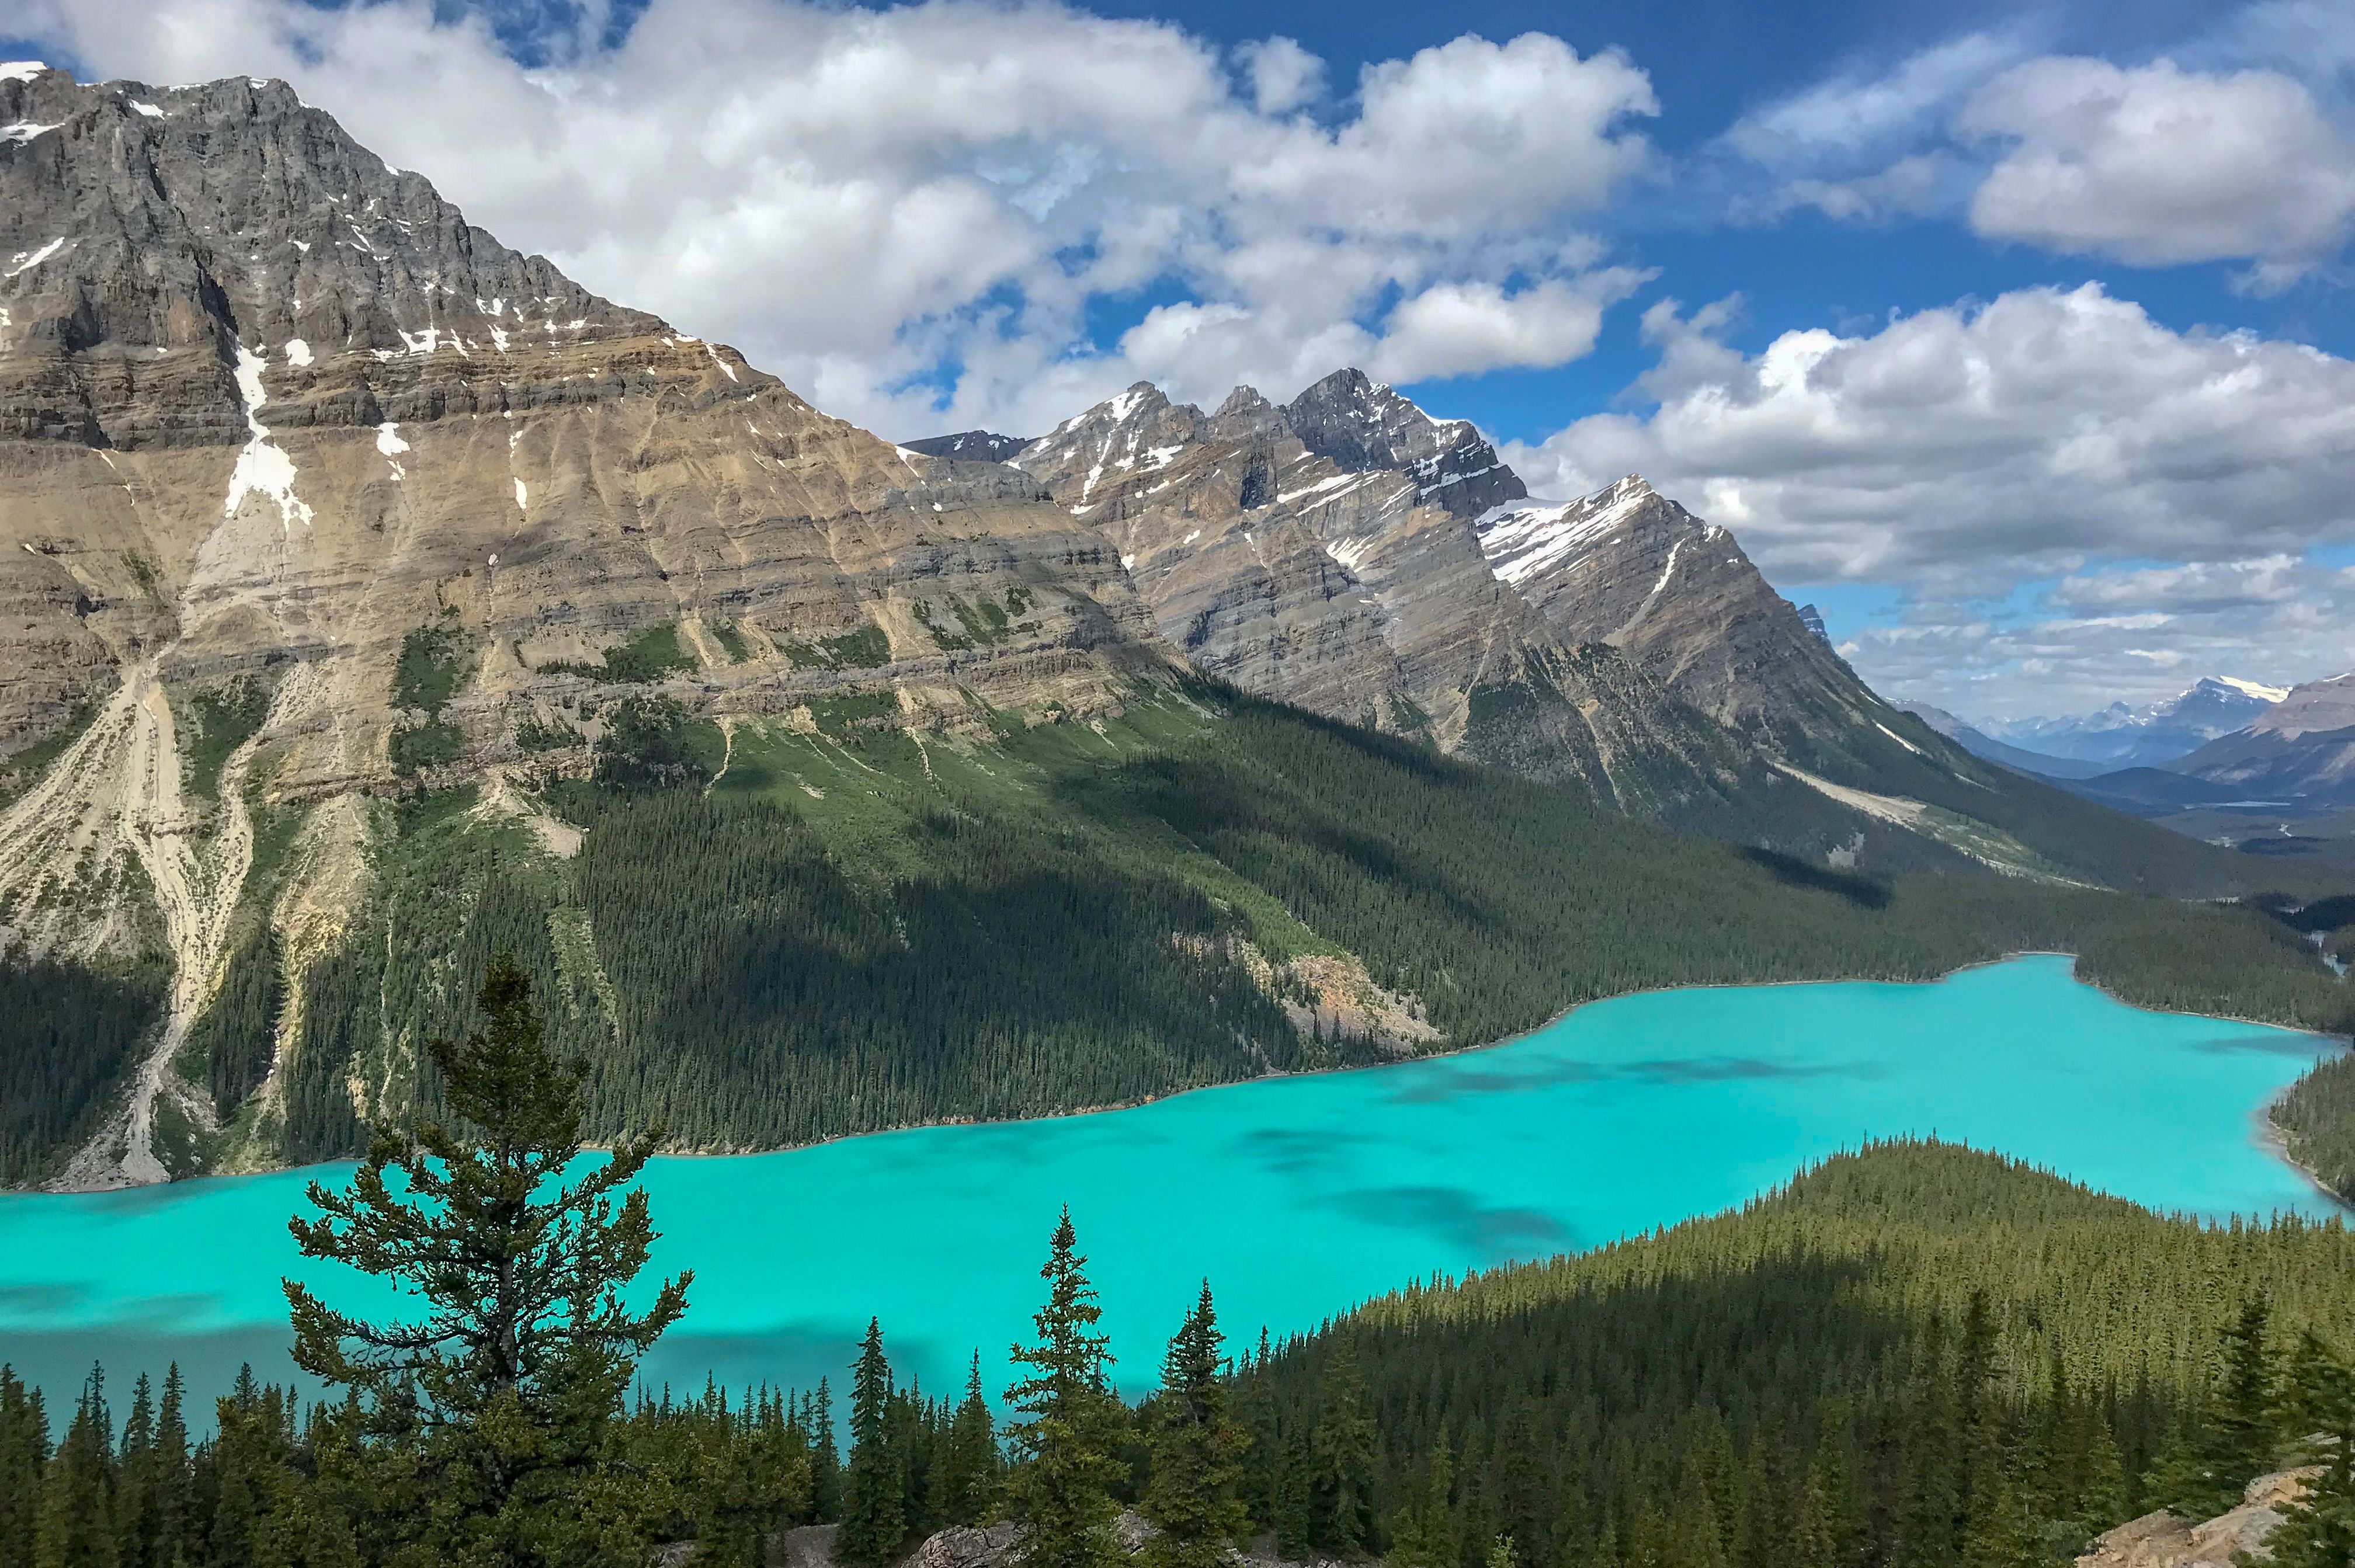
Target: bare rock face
column 1359, row 424
column 971, row 446
column 1347, row 553
column 1630, row 569
column 263, row 398
column 2163, row 1539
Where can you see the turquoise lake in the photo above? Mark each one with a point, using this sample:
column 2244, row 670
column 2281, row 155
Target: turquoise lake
column 1295, row 1197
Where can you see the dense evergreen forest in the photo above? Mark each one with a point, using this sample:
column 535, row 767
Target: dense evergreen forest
column 1917, row 1354
column 772, row 936
column 66, row 1036
column 2316, row 1119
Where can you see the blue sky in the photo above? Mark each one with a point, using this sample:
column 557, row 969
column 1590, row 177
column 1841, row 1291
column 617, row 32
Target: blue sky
column 2017, row 336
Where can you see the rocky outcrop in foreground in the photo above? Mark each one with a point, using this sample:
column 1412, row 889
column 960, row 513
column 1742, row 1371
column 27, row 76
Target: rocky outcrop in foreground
column 2163, row 1539
column 962, row 1546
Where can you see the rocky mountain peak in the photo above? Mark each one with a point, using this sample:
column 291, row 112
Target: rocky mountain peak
column 1359, row 424
column 1142, row 401
column 1247, row 417
column 152, row 222
column 970, row 446
column 1139, row 431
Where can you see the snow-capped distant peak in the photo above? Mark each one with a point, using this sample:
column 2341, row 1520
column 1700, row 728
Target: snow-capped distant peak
column 2252, row 688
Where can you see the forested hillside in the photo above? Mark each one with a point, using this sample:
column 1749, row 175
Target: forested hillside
column 770, row 934
column 1918, row 1354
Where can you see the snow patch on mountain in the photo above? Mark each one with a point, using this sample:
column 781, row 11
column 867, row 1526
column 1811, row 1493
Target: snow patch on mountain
column 263, row 467
column 1526, row 540
column 25, row 261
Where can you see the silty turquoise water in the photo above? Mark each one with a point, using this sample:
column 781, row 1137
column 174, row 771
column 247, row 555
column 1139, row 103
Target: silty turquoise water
column 1295, row 1197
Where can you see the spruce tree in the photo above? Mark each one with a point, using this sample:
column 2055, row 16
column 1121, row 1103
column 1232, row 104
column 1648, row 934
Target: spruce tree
column 825, row 1459
column 1343, row 1447
column 1827, row 1524
column 174, row 1504
column 1060, row 1491
column 249, row 1450
column 2240, row 1436
column 874, row 1522
column 1520, row 1480
column 965, row 1477
column 512, row 1377
column 24, row 1458
column 1424, row 1533
column 77, row 1519
column 1197, row 1451
column 2102, row 1492
column 137, row 1527
column 1295, row 1485
column 2319, row 1397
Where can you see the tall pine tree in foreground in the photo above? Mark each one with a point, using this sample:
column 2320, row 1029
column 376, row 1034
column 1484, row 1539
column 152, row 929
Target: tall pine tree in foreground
column 1060, row 1493
column 498, row 1403
column 873, row 1519
column 1342, row 1495
column 2319, row 1397
column 76, row 1529
column 24, row 1458
column 1197, row 1451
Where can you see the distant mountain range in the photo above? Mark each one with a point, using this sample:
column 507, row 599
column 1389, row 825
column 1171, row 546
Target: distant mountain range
column 2120, row 736
column 2303, row 746
column 2290, row 746
column 1980, row 744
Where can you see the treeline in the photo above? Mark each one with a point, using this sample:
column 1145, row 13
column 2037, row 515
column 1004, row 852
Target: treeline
column 752, row 971
column 1915, row 1355
column 276, row 1482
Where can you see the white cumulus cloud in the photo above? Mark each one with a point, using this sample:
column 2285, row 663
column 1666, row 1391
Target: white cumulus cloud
column 1451, row 328
column 2047, row 434
column 2158, row 166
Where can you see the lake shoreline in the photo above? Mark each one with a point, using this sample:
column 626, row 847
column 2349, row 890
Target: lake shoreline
column 2076, row 960
column 1299, row 1201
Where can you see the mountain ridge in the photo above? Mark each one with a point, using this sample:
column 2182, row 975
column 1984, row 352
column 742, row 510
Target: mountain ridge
column 1615, row 646
column 2302, row 746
